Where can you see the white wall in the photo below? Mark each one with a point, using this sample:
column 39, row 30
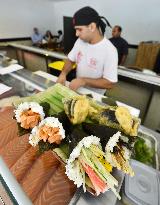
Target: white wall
column 140, row 19
column 18, row 17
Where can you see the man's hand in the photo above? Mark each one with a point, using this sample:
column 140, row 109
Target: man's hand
column 77, row 83
column 101, row 83
column 61, row 79
column 66, row 69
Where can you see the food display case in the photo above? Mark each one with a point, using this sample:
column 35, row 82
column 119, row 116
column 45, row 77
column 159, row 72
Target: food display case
column 28, row 178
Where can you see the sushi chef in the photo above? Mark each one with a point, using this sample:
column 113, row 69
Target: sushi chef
column 95, row 56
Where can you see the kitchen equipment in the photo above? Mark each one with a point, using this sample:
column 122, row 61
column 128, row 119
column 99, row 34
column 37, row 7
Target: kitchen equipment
column 144, row 187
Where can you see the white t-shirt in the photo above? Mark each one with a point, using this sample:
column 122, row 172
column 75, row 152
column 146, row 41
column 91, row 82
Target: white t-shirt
column 98, row 60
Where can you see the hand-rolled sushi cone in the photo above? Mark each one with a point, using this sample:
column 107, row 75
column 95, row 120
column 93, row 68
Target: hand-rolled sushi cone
column 49, row 132
column 118, row 155
column 117, row 117
column 29, row 114
column 87, row 166
column 76, row 108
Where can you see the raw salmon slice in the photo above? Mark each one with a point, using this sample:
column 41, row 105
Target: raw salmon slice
column 39, row 174
column 58, row 190
column 15, row 149
column 7, row 134
column 24, row 163
column 6, row 115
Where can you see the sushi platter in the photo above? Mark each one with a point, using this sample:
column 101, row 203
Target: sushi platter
column 91, row 143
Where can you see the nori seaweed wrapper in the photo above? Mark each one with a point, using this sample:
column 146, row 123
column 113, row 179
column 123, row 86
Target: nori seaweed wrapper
column 75, row 137
column 21, row 130
column 45, row 146
column 102, row 131
column 46, row 108
column 67, row 125
column 110, row 115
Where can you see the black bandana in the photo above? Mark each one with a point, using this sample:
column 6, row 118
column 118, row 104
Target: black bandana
column 85, row 16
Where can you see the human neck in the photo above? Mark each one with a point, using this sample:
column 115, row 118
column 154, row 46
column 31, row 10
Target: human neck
column 117, row 36
column 96, row 38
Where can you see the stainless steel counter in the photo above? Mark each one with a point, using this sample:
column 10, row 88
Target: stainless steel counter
column 152, row 79
column 39, row 51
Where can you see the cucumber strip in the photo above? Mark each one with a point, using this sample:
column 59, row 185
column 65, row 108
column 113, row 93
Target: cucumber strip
column 61, row 154
column 65, row 91
column 58, row 96
column 78, row 171
column 96, row 150
column 88, row 182
column 56, row 102
column 103, row 171
column 54, row 106
column 83, row 176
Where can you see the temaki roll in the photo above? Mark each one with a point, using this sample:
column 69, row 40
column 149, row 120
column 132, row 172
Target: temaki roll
column 49, row 130
column 118, row 154
column 29, row 114
column 76, row 108
column 87, row 166
column 117, row 145
column 117, row 117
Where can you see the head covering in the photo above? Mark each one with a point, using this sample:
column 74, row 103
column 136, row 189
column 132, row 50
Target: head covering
column 87, row 15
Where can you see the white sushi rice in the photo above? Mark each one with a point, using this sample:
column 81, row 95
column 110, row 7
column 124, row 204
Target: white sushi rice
column 109, row 147
column 49, row 121
column 72, row 169
column 112, row 142
column 124, row 138
column 33, row 137
column 127, row 153
column 35, row 107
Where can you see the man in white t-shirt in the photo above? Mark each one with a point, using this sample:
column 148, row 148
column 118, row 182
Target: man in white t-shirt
column 95, row 56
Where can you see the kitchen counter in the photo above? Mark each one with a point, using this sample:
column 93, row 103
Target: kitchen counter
column 39, row 51
column 148, row 78
column 122, row 71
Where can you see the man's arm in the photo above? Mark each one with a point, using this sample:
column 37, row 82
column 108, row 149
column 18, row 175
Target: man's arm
column 66, row 69
column 123, row 59
column 95, row 83
column 125, row 52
